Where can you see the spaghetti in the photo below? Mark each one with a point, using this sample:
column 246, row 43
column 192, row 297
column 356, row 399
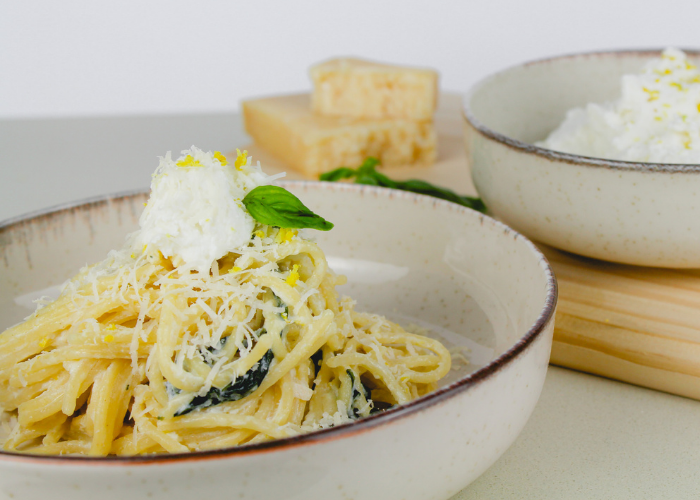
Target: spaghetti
column 143, row 354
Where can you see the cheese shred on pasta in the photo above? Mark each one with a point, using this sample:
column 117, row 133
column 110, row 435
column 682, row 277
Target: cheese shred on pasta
column 142, row 354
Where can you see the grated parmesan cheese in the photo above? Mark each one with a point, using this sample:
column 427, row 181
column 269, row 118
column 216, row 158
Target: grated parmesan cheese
column 195, row 212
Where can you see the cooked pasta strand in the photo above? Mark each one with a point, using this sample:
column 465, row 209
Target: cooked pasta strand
column 141, row 356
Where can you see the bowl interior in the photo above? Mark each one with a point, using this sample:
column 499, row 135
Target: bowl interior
column 527, row 102
column 430, row 265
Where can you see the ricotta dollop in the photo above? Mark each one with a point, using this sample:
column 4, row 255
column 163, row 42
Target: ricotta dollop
column 656, row 119
column 195, row 214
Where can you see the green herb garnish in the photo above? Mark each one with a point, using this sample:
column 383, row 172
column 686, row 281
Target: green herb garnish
column 275, row 206
column 243, row 386
column 360, row 396
column 367, row 174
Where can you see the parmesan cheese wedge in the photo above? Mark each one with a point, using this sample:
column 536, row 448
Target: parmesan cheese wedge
column 364, row 89
column 313, row 144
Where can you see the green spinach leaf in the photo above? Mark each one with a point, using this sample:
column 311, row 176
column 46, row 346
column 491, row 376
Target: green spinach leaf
column 240, row 388
column 360, row 395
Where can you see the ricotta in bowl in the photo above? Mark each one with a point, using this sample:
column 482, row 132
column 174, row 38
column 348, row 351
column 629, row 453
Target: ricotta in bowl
column 656, row 119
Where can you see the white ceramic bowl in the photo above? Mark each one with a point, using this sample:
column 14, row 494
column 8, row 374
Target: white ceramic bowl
column 414, row 258
column 637, row 213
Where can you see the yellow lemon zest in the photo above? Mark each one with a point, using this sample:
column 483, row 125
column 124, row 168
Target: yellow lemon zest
column 260, row 234
column 234, row 269
column 699, row 107
column 44, row 342
column 189, row 162
column 222, row 159
column 285, row 235
column 653, row 94
column 241, row 158
column 109, row 338
column 293, row 275
column 112, row 326
column 676, row 85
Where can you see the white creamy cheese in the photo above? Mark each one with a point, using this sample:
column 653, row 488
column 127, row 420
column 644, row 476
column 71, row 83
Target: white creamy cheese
column 657, row 118
column 195, row 214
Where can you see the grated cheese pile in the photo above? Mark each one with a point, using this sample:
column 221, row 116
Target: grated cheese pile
column 656, row 119
column 194, row 216
column 194, row 213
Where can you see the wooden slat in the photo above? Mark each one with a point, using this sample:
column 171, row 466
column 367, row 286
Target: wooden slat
column 596, row 362
column 638, row 325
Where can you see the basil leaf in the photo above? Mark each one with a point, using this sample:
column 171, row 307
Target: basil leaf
column 383, row 180
column 423, row 187
column 368, row 166
column 367, row 174
column 337, row 174
column 367, row 179
column 275, row 206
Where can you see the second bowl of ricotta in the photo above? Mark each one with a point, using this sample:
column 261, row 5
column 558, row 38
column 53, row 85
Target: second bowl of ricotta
column 597, row 154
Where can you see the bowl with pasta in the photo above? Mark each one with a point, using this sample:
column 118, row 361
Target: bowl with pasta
column 396, row 356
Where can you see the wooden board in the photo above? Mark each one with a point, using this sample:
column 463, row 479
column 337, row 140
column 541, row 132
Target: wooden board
column 638, row 325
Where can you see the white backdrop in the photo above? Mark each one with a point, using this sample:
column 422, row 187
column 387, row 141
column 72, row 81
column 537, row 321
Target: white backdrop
column 80, row 57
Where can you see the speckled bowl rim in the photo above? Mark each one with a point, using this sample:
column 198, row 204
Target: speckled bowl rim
column 545, row 317
column 549, row 154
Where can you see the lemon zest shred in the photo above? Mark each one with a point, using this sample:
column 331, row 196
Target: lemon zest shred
column 222, row 159
column 241, row 158
column 653, row 94
column 293, row 275
column 189, row 161
column 285, row 235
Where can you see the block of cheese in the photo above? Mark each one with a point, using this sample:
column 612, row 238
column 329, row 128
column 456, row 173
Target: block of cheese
column 364, row 89
column 287, row 128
